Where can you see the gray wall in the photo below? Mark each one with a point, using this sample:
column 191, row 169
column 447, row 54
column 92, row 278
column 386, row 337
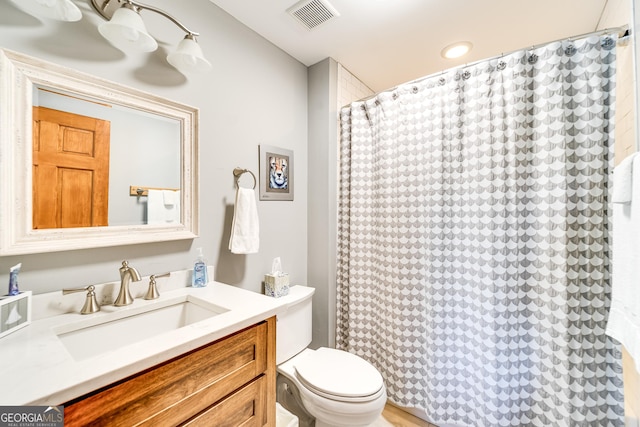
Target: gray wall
column 323, row 142
column 256, row 94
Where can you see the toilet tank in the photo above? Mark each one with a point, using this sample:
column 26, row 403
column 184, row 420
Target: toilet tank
column 293, row 330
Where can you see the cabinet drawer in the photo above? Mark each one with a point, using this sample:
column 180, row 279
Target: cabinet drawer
column 244, row 408
column 172, row 392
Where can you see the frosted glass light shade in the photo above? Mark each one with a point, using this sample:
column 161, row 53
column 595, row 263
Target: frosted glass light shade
column 127, row 32
column 188, row 57
column 60, row 10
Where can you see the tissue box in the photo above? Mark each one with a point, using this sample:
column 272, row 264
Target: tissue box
column 276, row 285
column 15, row 312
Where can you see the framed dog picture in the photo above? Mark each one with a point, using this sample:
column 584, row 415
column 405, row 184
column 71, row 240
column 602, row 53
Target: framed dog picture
column 276, row 173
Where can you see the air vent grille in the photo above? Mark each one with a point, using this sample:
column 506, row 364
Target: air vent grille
column 312, row 13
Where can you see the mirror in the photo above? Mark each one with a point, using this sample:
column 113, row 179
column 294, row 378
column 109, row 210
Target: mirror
column 143, row 160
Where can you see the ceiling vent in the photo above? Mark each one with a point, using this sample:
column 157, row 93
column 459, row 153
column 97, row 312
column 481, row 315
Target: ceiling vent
column 312, row 13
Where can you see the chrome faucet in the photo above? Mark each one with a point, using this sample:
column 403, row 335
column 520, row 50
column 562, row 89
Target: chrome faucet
column 127, row 274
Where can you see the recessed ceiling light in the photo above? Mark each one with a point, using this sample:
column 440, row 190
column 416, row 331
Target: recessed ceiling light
column 456, row 50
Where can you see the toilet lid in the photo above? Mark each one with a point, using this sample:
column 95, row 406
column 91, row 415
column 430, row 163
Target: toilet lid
column 338, row 373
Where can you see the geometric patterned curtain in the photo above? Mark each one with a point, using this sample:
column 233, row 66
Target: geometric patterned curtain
column 474, row 239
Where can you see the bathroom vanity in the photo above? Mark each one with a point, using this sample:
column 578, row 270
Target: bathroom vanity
column 215, row 366
column 230, row 382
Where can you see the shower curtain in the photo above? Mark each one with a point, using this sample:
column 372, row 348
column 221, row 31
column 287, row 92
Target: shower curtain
column 473, row 239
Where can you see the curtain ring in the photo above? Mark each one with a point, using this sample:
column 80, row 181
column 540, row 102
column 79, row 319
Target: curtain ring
column 607, row 43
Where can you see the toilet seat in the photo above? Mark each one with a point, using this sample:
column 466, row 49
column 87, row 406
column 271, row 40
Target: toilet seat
column 339, row 375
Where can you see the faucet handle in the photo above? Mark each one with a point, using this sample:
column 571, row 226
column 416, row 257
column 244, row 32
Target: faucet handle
column 91, row 303
column 152, row 292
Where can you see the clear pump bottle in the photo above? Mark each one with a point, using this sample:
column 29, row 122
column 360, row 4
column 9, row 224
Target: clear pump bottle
column 199, row 277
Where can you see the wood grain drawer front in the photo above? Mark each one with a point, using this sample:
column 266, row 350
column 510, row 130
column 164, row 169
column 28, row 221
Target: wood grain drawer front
column 244, row 408
column 177, row 390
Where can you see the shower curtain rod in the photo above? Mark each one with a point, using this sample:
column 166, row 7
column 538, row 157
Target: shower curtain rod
column 620, row 30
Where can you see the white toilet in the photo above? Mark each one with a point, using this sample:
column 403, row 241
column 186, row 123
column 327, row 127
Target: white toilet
column 338, row 388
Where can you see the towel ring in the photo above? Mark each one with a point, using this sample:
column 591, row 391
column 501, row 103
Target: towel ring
column 237, row 172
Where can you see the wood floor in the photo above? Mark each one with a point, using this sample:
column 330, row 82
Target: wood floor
column 399, row 418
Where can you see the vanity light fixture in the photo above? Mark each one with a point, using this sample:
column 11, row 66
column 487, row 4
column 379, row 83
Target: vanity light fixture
column 60, row 10
column 456, row 50
column 125, row 28
column 126, row 31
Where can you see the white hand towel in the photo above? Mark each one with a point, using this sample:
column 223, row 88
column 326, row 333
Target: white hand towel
column 170, row 197
column 624, row 315
column 622, row 180
column 171, row 209
column 160, row 213
column 245, row 230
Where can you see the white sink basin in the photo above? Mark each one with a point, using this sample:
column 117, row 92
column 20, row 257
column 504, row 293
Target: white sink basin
column 104, row 333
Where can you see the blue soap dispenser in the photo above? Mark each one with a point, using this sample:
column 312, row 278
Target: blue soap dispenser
column 199, row 277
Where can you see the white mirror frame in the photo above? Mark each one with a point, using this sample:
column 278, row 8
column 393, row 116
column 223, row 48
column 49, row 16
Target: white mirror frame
column 18, row 75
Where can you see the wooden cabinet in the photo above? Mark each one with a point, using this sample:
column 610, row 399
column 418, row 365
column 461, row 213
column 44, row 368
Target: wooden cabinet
column 230, row 382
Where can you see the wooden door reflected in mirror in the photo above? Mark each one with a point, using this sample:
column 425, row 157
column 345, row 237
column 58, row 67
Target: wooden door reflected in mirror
column 70, row 170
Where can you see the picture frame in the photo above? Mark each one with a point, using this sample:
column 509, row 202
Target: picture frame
column 276, row 173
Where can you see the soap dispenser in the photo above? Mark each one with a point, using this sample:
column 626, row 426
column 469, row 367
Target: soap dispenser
column 199, row 277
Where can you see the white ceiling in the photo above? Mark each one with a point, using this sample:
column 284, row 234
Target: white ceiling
column 388, row 42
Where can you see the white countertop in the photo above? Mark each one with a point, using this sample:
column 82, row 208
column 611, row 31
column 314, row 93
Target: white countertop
column 37, row 369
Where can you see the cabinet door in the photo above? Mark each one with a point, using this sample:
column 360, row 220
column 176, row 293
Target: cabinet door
column 244, row 408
